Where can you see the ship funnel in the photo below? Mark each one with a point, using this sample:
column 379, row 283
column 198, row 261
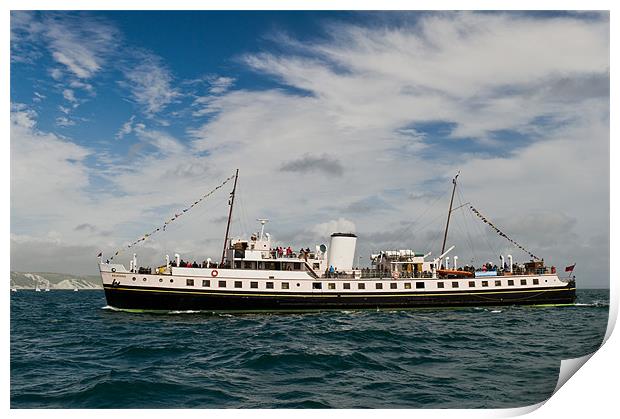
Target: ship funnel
column 341, row 251
column 510, row 262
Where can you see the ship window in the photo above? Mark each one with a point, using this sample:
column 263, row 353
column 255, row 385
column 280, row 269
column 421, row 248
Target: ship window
column 206, row 282
column 221, row 284
column 485, row 283
column 498, row 283
column 271, row 277
column 261, row 265
column 270, row 266
column 419, row 285
column 285, row 285
column 238, row 284
column 316, row 266
column 455, row 284
column 535, row 281
column 161, row 280
column 248, row 265
column 524, row 282
column 171, row 280
column 133, row 279
column 407, row 285
column 511, row 282
column 346, row 286
column 296, row 266
column 361, row 286
column 393, row 285
column 379, row 286
column 331, row 286
column 472, row 284
column 253, row 284
column 317, row 286
column 440, row 285
column 237, row 264
column 144, row 279
column 269, row 285
column 189, row 282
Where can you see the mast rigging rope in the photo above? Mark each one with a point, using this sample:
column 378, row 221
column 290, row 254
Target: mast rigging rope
column 502, row 234
column 176, row 216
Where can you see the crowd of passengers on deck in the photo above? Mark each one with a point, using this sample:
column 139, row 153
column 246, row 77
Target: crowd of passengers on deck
column 280, row 252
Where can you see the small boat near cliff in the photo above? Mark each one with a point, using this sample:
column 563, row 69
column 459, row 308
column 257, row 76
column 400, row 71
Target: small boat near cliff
column 255, row 275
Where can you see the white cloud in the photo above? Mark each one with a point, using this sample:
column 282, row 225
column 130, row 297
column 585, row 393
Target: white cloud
column 38, row 97
column 80, row 44
column 363, row 92
column 69, row 95
column 150, row 83
column 163, row 142
column 366, row 88
column 76, row 84
column 126, row 128
column 56, row 73
column 47, row 172
column 341, row 225
column 220, row 84
column 62, row 121
column 22, row 116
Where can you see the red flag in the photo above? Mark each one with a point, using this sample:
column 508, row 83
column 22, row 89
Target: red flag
column 570, row 268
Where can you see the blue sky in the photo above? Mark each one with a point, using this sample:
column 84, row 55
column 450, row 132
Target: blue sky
column 337, row 120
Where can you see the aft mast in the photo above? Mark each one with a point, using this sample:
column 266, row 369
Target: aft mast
column 232, row 201
column 445, row 234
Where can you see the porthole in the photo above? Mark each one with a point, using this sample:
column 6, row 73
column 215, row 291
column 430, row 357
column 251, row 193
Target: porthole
column 171, row 281
column 133, row 279
column 144, row 279
column 298, row 284
column 161, row 280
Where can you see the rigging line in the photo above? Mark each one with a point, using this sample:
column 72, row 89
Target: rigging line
column 437, row 217
column 501, row 233
column 467, row 235
column 493, row 250
column 462, row 230
column 435, row 239
column 428, row 208
column 479, row 231
column 243, row 216
column 459, row 228
column 176, row 216
column 463, row 212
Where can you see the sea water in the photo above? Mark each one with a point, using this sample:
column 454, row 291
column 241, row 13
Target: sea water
column 68, row 350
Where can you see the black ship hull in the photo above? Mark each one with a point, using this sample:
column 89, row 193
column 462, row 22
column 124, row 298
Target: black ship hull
column 156, row 299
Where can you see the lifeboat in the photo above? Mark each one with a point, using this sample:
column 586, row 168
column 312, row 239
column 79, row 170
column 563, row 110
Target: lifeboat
column 453, row 273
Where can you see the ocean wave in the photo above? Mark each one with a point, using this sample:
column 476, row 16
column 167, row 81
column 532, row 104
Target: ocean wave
column 95, row 356
column 592, row 304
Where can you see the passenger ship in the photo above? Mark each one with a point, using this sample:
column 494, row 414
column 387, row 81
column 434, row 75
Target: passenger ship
column 252, row 276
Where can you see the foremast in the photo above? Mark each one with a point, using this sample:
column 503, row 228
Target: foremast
column 445, row 234
column 230, row 210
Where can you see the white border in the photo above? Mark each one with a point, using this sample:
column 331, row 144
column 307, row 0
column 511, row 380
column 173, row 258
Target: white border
column 590, row 393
